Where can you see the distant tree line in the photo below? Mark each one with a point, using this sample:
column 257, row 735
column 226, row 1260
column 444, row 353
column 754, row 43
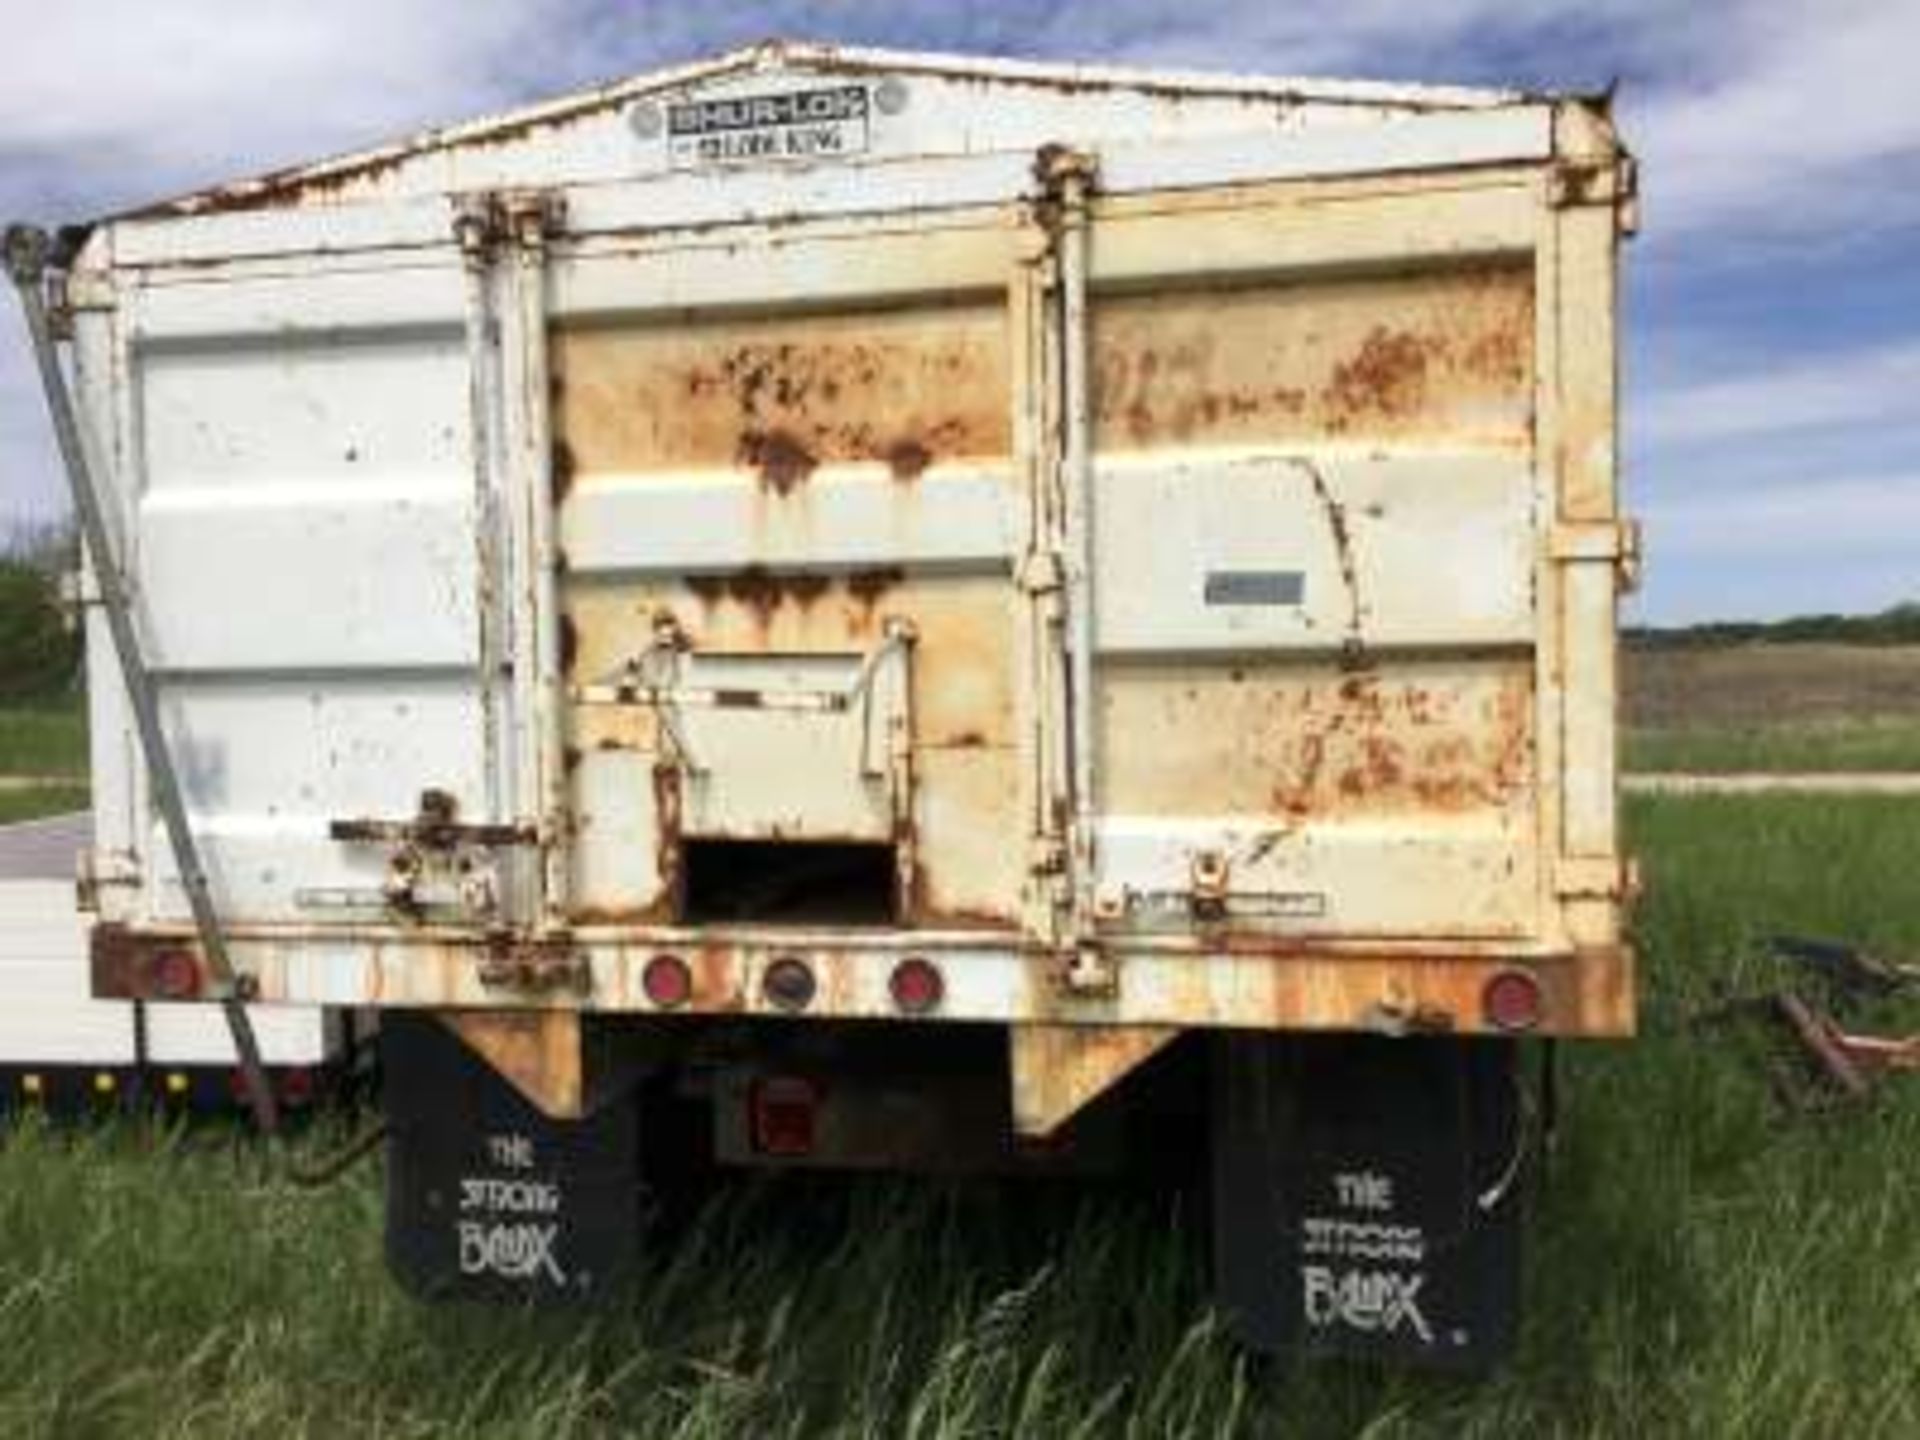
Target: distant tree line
column 40, row 640
column 1896, row 625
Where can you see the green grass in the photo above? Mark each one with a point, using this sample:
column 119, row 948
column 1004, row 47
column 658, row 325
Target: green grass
column 1703, row 1262
column 47, row 737
column 39, row 800
column 1885, row 742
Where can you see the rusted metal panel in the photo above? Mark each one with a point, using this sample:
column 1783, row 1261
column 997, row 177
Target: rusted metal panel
column 1318, row 741
column 790, row 480
column 1393, row 800
column 560, row 1060
column 1442, row 356
column 1058, row 1069
column 781, row 397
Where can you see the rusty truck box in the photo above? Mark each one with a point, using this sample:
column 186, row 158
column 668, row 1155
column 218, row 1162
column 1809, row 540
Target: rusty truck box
column 823, row 535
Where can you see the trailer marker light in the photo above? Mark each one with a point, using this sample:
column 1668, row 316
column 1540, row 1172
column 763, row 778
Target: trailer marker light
column 667, row 981
column 917, row 986
column 174, row 975
column 788, row 983
column 1512, row 1000
column 297, row 1087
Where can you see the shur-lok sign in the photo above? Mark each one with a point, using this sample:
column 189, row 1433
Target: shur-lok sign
column 784, row 125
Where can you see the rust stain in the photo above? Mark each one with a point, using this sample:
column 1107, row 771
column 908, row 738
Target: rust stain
column 1337, row 527
column 1301, row 749
column 868, row 586
column 961, row 918
column 569, row 643
column 781, row 397
column 783, row 462
column 1387, row 376
column 1440, row 352
column 1295, row 796
column 616, row 915
column 561, row 468
column 908, row 459
column 667, row 839
column 760, row 590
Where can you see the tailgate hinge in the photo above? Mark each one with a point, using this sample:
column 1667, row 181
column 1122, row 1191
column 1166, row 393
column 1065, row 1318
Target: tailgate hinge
column 1616, row 542
column 1613, row 181
column 1596, row 877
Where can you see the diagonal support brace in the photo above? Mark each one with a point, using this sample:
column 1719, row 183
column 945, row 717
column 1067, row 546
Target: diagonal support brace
column 26, row 250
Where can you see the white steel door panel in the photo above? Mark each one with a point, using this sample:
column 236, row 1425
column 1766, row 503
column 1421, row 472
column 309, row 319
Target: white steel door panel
column 306, row 561
column 315, row 578
column 1226, row 551
column 377, row 409
column 266, row 761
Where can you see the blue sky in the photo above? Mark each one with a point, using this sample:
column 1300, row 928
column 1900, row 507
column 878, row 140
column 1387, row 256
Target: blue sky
column 1772, row 420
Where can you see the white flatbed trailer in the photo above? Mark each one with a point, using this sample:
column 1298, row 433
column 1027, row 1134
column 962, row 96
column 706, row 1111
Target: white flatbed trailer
column 59, row 1044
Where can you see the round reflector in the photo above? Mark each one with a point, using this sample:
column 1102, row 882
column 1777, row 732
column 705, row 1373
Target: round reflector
column 1512, row 1000
column 667, row 981
column 788, row 983
column 917, row 986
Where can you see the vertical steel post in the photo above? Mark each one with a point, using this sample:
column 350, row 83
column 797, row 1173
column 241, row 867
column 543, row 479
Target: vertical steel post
column 475, row 222
column 1070, row 174
column 26, row 251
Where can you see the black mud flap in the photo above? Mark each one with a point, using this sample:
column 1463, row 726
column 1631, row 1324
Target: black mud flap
column 489, row 1199
column 1365, row 1196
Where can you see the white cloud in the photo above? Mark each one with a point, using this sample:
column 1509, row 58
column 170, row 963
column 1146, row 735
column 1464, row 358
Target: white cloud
column 133, row 98
column 1799, row 134
column 1863, row 386
column 1788, row 521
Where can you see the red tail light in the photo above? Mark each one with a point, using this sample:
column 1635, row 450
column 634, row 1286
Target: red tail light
column 297, row 1087
column 917, row 986
column 667, row 981
column 780, row 1114
column 1512, row 1001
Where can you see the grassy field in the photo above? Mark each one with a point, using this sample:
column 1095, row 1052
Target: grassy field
column 46, row 738
column 38, row 800
column 1773, row 707
column 46, row 741
column 1704, row 1261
